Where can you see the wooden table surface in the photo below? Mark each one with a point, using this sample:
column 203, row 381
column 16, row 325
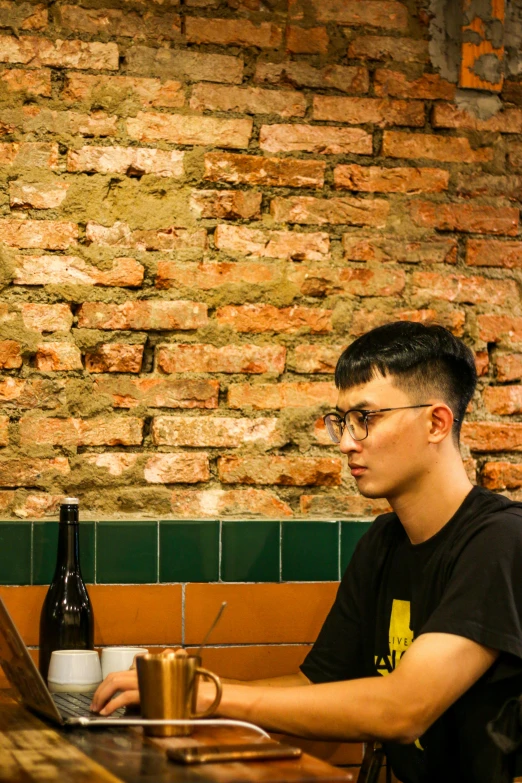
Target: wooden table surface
column 33, row 751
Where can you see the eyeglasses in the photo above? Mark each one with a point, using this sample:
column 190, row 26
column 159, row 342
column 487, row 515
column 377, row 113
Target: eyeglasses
column 357, row 421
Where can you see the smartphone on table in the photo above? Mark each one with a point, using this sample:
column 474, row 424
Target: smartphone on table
column 203, row 754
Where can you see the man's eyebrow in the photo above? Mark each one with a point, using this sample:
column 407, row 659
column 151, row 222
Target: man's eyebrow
column 361, row 405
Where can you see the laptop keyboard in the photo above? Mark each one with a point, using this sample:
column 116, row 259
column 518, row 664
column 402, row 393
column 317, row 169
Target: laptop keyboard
column 76, row 705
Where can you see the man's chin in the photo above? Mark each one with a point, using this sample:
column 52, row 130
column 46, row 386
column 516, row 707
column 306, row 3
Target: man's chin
column 369, row 491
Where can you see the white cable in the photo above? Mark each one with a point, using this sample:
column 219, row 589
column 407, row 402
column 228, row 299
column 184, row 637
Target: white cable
column 162, row 722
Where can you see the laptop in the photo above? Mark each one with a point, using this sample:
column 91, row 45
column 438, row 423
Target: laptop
column 65, row 709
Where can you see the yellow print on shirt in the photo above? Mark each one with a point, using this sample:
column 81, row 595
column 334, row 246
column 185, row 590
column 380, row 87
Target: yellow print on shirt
column 400, row 638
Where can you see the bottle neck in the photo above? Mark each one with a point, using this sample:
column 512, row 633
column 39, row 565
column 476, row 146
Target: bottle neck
column 68, row 540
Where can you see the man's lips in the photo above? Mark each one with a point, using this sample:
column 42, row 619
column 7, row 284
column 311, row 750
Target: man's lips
column 356, row 470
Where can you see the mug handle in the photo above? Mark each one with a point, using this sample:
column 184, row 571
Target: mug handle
column 215, row 704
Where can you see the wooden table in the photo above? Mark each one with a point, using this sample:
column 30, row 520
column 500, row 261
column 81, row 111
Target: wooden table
column 32, row 751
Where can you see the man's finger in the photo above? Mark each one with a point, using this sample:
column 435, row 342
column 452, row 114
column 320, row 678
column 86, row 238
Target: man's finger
column 122, row 700
column 118, row 681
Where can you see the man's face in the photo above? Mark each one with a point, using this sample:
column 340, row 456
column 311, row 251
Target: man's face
column 396, row 451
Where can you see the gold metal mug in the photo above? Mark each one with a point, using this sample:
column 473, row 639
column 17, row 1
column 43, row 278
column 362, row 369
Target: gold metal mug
column 168, row 690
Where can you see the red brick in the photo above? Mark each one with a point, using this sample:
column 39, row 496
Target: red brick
column 115, row 357
column 159, row 392
column 258, row 170
column 271, row 396
column 81, row 87
column 258, row 318
column 311, row 40
column 243, row 358
column 247, row 100
column 213, row 275
column 244, row 503
column 53, row 270
column 50, row 234
column 447, row 115
column 330, row 280
column 217, row 432
column 315, row 358
column 503, row 400
column 333, row 211
column 156, row 314
column 59, row 53
column 43, row 394
column 492, row 436
column 498, row 476
column 240, row 240
column 116, row 22
column 52, row 357
column 388, row 249
column 364, row 320
column 28, row 471
column 47, row 317
column 459, row 288
column 351, row 79
column 171, row 238
column 10, row 356
column 133, row 161
column 29, row 154
column 226, row 204
column 377, row 111
column 500, row 328
column 23, row 16
column 38, row 505
column 112, row 463
column 381, row 179
column 37, row 195
column 4, row 435
column 7, row 498
column 185, row 65
column 478, row 219
column 177, row 468
column 320, row 139
column 36, row 82
column 512, row 92
column 482, row 362
column 238, row 32
column 286, row 471
column 515, row 155
column 43, row 120
column 190, row 130
column 508, row 367
column 453, row 149
column 387, row 14
column 509, row 186
column 494, row 253
column 396, row 84
column 342, row 506
column 382, row 47
column 115, row 430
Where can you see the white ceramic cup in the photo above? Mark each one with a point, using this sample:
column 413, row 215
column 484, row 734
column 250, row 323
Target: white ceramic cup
column 74, row 671
column 119, row 659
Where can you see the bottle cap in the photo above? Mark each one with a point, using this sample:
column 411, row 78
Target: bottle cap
column 70, row 502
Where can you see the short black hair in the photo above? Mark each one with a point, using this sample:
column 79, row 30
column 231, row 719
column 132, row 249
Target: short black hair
column 424, row 358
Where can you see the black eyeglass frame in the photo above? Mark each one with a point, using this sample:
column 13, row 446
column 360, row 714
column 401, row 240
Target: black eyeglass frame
column 366, row 415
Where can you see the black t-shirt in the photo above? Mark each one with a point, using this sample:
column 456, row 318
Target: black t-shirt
column 465, row 580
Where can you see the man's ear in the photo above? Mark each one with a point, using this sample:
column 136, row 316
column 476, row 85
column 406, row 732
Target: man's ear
column 441, row 422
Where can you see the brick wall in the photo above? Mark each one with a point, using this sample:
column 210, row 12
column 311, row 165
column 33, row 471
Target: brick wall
column 201, row 205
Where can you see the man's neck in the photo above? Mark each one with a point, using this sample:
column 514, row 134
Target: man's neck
column 432, row 503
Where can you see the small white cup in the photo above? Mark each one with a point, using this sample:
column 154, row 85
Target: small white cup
column 119, row 659
column 74, row 671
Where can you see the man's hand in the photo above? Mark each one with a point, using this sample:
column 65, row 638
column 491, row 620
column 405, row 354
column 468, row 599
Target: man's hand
column 126, row 682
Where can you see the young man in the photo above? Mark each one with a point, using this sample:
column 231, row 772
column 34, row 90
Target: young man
column 423, row 644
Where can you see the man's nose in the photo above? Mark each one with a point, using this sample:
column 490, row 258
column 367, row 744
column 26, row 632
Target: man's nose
column 348, row 444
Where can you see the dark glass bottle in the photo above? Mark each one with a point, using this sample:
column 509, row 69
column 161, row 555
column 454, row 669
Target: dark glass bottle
column 66, row 621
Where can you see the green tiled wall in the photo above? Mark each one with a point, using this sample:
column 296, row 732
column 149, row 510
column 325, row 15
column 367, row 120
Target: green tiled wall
column 144, row 552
